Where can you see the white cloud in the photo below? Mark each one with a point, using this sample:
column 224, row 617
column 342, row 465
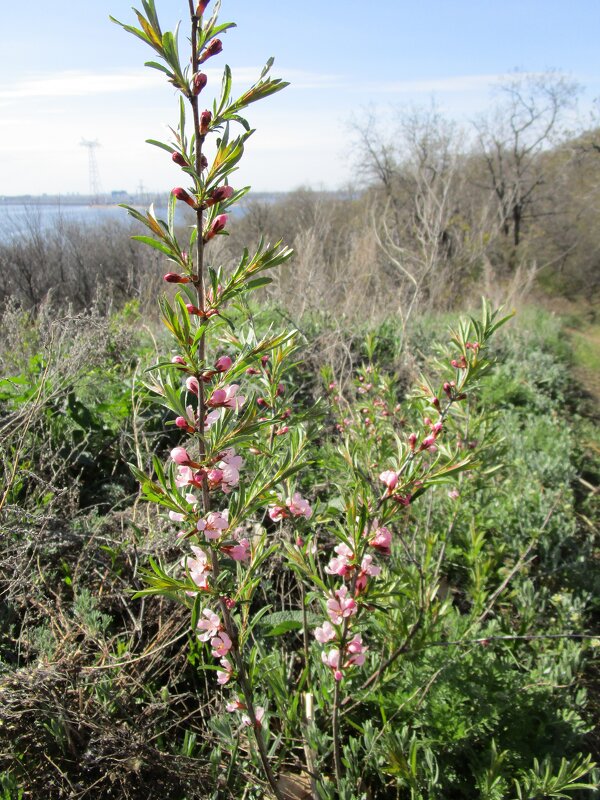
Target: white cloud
column 77, row 83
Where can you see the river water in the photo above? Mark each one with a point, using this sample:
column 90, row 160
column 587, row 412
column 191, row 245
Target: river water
column 17, row 220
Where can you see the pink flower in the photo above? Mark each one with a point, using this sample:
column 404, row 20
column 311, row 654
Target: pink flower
column 230, row 466
column 211, row 418
column 341, row 565
column 325, row 633
column 224, row 675
column 209, row 625
column 341, row 606
column 332, row 660
column 239, row 551
column 390, row 478
column 381, row 539
column 215, row 523
column 277, row 513
column 259, row 713
column 176, row 516
column 187, row 477
column 234, row 705
column 367, row 570
column 298, row 506
column 221, row 645
column 357, row 650
column 227, row 397
column 198, row 567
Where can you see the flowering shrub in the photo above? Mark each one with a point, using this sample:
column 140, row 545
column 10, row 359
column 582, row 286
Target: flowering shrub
column 228, row 488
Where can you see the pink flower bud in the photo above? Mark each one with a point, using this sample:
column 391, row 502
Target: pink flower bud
column 181, row 422
column 181, row 194
column 205, row 120
column 178, row 360
column 192, row 385
column 280, row 390
column 180, row 456
column 282, row 431
column 201, row 7
column 179, row 159
column 219, row 194
column 390, row 478
column 223, row 363
column 199, row 81
column 213, row 49
column 264, row 360
column 412, row 441
column 173, row 277
column 218, row 224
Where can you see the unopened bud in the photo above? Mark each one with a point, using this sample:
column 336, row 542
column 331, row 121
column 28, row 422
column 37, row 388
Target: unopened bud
column 201, row 7
column 218, row 224
column 205, row 120
column 179, row 159
column 213, row 49
column 173, row 277
column 219, row 194
column 181, row 194
column 223, row 363
column 199, row 81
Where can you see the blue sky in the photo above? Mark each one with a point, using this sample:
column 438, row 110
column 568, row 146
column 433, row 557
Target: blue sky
column 73, row 74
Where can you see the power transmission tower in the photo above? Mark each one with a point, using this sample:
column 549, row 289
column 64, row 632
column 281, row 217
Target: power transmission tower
column 95, row 188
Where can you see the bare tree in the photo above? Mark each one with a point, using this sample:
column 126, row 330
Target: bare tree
column 531, row 115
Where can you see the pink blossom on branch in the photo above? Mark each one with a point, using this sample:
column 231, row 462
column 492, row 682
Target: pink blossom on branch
column 221, row 645
column 239, row 551
column 381, row 539
column 198, row 568
column 341, row 606
column 326, row 633
column 298, row 506
column 356, row 651
column 224, row 675
column 209, row 625
column 342, row 563
column 214, row 525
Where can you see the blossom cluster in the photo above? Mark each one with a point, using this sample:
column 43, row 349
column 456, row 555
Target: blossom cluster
column 356, row 567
